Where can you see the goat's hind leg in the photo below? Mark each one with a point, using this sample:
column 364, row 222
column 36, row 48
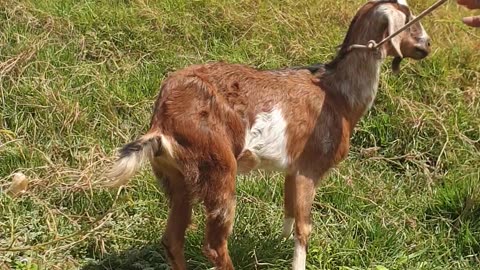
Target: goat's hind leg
column 174, row 237
column 220, row 210
column 180, row 214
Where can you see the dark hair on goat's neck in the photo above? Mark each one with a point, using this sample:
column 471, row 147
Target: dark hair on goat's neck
column 346, row 42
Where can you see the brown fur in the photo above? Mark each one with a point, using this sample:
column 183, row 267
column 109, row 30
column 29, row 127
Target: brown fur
column 203, row 112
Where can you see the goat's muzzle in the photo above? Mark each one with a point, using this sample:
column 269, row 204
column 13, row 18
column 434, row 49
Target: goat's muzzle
column 422, row 48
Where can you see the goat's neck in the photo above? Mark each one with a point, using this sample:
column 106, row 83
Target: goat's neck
column 356, row 78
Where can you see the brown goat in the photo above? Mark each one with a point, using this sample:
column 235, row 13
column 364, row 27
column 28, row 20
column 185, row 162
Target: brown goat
column 214, row 120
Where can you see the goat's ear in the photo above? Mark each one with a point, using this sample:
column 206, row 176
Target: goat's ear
column 396, row 19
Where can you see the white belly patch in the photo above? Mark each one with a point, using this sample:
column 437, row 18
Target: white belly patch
column 267, row 140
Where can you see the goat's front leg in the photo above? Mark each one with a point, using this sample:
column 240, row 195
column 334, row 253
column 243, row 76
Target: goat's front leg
column 304, row 196
column 289, row 205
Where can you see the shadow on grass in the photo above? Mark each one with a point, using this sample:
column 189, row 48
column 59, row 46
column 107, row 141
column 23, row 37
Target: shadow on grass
column 150, row 256
column 247, row 252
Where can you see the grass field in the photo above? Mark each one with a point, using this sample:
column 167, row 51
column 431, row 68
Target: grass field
column 78, row 79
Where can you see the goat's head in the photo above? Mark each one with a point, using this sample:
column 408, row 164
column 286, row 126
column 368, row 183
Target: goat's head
column 413, row 42
column 380, row 18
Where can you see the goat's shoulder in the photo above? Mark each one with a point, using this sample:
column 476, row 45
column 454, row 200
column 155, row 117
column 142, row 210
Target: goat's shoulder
column 313, row 69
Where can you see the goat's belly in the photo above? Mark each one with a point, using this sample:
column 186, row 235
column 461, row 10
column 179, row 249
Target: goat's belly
column 265, row 144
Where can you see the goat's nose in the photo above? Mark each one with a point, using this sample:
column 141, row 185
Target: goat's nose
column 424, row 41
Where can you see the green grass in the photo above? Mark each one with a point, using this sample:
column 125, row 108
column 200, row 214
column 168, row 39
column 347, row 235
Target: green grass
column 78, row 79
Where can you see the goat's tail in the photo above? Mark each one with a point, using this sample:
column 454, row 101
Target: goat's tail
column 131, row 158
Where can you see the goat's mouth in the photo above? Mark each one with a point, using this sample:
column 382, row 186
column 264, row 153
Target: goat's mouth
column 420, row 52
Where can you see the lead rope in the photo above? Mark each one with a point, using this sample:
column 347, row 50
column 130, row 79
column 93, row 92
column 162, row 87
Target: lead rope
column 372, row 45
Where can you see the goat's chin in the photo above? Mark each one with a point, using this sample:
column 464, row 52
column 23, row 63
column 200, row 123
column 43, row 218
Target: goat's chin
column 417, row 53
